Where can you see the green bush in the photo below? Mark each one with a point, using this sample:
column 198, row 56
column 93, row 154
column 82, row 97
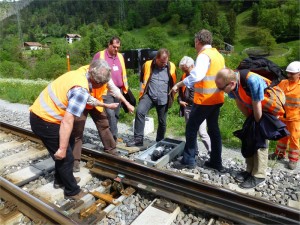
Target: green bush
column 12, row 70
column 50, row 68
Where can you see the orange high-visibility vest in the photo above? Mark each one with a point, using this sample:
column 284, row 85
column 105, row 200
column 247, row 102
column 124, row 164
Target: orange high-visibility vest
column 148, row 72
column 292, row 104
column 272, row 102
column 206, row 91
column 95, row 92
column 124, row 75
column 182, row 89
column 52, row 103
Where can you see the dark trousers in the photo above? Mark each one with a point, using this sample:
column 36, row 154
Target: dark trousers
column 145, row 104
column 101, row 122
column 49, row 134
column 198, row 114
column 112, row 114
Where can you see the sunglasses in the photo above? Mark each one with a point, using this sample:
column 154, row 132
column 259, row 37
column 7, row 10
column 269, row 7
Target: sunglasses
column 223, row 88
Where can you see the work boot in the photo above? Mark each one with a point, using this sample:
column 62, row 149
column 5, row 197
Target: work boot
column 252, row 182
column 242, row 176
column 57, row 185
column 180, row 166
column 76, row 166
column 274, row 156
column 112, row 151
column 77, row 196
column 292, row 165
column 221, row 169
column 135, row 142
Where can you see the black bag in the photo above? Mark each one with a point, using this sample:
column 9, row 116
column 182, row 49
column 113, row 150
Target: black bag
column 263, row 67
column 130, row 98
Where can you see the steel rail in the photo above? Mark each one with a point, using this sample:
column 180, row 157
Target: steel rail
column 23, row 199
column 219, row 201
column 222, row 202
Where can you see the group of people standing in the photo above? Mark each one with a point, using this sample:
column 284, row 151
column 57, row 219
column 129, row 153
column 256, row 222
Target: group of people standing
column 59, row 113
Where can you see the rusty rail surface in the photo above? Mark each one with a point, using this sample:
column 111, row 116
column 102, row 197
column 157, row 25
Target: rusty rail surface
column 30, row 205
column 222, row 202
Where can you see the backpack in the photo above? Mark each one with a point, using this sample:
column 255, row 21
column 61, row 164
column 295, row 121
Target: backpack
column 272, row 90
column 263, row 67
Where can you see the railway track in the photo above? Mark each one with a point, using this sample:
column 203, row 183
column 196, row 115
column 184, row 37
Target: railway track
column 122, row 173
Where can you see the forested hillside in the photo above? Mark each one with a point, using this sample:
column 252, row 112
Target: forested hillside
column 141, row 24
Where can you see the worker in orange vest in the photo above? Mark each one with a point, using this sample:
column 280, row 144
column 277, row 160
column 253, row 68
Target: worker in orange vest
column 291, row 89
column 252, row 99
column 157, row 78
column 100, row 119
column 186, row 100
column 207, row 103
column 52, row 117
column 116, row 61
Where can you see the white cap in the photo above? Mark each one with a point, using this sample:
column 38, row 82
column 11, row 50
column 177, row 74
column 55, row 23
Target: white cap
column 293, row 67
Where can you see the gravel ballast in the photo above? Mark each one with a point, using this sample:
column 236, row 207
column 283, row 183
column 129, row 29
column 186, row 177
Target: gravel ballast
column 282, row 185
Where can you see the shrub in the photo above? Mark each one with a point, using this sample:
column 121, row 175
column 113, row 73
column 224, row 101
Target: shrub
column 12, row 70
column 50, row 69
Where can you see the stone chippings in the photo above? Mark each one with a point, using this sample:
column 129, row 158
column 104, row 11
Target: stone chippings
column 281, row 184
column 10, row 169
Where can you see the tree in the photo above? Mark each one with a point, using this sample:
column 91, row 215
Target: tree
column 223, row 27
column 275, row 20
column 255, row 13
column 231, row 18
column 129, row 41
column 157, row 37
column 265, row 39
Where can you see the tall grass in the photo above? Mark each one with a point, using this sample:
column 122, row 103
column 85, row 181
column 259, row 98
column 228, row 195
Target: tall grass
column 21, row 91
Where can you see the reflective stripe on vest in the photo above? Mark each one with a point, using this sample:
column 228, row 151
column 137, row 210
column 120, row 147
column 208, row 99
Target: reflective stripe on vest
column 292, row 104
column 206, row 91
column 124, row 75
column 271, row 103
column 55, row 99
column 47, row 108
column 52, row 102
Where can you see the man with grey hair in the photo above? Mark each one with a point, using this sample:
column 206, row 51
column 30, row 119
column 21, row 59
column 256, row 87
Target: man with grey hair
column 185, row 100
column 100, row 83
column 207, row 103
column 52, row 117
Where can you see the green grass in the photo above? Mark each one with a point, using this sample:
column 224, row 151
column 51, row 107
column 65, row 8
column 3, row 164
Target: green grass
column 26, row 91
column 21, row 91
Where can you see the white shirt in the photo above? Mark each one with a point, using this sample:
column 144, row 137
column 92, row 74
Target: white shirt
column 200, row 69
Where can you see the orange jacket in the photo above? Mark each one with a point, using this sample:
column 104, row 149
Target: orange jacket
column 270, row 103
column 292, row 104
column 52, row 103
column 147, row 72
column 96, row 93
column 124, row 75
column 206, row 91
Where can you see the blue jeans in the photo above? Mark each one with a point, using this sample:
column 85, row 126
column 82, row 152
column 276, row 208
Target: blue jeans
column 198, row 114
column 145, row 104
column 49, row 134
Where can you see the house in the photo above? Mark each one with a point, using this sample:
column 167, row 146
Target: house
column 33, row 45
column 72, row 37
